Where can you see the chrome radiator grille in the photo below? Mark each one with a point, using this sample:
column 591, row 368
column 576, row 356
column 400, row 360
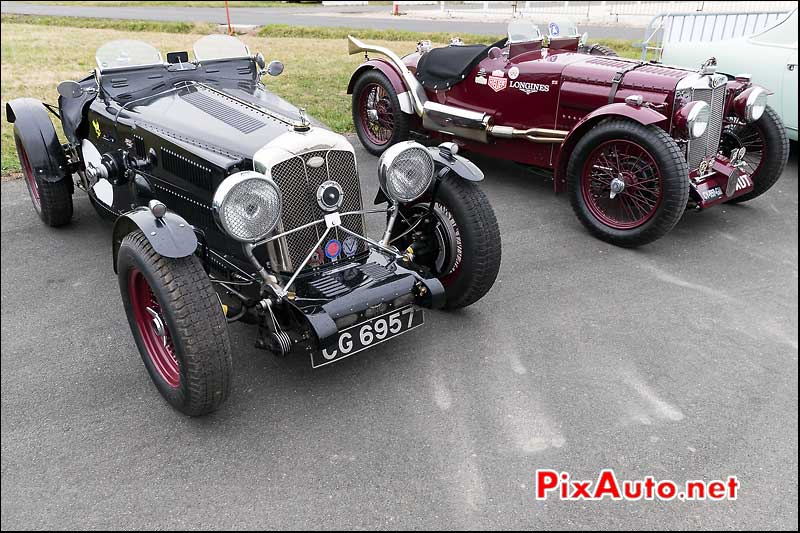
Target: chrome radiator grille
column 706, row 145
column 298, row 183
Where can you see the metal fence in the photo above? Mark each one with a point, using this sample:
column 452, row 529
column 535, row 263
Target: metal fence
column 703, row 27
column 608, row 11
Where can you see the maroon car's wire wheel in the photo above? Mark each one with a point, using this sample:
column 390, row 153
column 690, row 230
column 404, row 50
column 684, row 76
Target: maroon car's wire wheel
column 153, row 329
column 376, row 115
column 30, row 178
column 751, row 139
column 621, row 184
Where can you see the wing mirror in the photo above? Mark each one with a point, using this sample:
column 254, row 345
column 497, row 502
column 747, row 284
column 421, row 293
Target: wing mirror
column 275, row 68
column 70, row 89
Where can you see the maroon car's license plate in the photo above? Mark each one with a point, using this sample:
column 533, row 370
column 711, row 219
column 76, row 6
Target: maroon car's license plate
column 369, row 333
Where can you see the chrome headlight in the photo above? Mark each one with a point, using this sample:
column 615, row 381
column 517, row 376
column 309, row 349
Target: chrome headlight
column 691, row 120
column 697, row 119
column 750, row 104
column 755, row 105
column 247, row 206
column 405, row 171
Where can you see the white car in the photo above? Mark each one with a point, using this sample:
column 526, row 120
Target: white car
column 769, row 56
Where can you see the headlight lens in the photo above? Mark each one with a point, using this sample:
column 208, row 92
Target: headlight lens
column 405, row 171
column 247, row 206
column 756, row 104
column 697, row 120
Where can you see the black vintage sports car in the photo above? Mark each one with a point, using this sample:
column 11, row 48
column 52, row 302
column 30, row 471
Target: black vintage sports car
column 230, row 204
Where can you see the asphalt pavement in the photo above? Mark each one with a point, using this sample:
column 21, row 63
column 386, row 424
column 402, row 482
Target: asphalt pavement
column 349, row 17
column 677, row 360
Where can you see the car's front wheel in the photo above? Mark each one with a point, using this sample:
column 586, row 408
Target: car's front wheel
column 458, row 241
column 766, row 151
column 629, row 183
column 178, row 324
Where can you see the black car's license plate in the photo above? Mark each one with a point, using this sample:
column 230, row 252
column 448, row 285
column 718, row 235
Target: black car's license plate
column 369, row 333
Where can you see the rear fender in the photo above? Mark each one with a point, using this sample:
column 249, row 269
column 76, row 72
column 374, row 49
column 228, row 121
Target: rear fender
column 388, row 70
column 643, row 115
column 33, row 125
column 170, row 236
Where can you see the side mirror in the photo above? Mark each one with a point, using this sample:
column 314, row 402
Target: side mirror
column 260, row 62
column 275, row 68
column 70, row 89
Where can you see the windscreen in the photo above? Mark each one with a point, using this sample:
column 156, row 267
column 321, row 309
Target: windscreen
column 523, row 31
column 562, row 28
column 126, row 53
column 219, row 47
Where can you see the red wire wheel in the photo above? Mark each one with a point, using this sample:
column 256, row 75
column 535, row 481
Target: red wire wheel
column 153, row 328
column 30, row 179
column 621, row 184
column 376, row 114
column 750, row 138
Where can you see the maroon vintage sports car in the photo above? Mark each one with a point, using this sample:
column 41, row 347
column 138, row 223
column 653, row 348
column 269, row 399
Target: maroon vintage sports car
column 634, row 143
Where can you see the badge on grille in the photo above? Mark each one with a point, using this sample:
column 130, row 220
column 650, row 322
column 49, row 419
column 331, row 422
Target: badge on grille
column 333, row 249
column 330, row 196
column 315, row 162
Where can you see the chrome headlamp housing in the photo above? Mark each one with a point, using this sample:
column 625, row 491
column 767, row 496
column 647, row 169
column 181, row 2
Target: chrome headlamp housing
column 247, row 206
column 755, row 105
column 692, row 119
column 750, row 104
column 697, row 119
column 405, row 171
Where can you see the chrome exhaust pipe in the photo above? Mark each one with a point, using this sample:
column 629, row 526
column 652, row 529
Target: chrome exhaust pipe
column 455, row 121
column 475, row 125
column 536, row 135
column 418, row 97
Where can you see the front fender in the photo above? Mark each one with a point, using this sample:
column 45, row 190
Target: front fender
column 461, row 166
column 641, row 114
column 170, row 236
column 394, row 77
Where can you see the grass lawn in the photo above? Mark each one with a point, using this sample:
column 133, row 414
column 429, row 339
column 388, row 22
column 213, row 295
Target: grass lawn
column 36, row 56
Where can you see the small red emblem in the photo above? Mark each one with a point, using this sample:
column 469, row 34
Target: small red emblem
column 497, row 83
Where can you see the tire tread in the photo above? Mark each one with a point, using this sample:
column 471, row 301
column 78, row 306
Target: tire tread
column 199, row 327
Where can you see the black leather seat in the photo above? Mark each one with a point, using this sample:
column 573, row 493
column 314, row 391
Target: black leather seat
column 441, row 68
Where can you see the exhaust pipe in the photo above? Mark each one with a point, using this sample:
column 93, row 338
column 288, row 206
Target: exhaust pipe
column 475, row 125
column 472, row 125
column 418, row 97
column 536, row 135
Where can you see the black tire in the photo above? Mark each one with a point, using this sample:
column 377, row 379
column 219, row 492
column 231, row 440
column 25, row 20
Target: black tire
column 191, row 313
column 598, row 49
column 52, row 200
column 670, row 172
column 400, row 121
column 768, row 134
column 470, row 262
